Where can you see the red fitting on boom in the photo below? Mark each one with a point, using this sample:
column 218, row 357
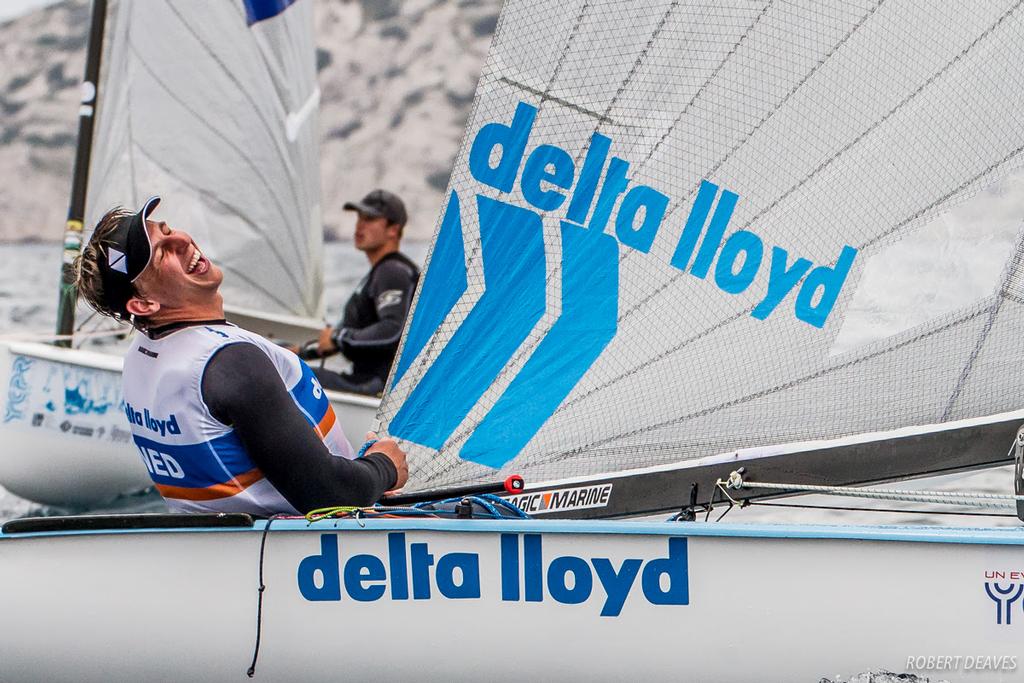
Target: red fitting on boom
column 514, row 484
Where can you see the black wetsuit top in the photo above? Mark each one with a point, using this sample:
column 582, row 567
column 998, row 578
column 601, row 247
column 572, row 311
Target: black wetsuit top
column 374, row 316
column 242, row 389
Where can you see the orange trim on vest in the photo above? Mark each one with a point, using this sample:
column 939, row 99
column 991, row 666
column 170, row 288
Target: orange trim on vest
column 327, row 423
column 223, row 490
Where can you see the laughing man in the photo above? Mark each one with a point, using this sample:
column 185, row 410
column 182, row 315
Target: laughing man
column 225, row 420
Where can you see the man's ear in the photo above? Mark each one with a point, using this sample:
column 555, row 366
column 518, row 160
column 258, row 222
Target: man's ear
column 141, row 307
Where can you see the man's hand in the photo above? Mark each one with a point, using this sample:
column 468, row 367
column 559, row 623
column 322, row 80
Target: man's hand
column 325, row 345
column 389, row 448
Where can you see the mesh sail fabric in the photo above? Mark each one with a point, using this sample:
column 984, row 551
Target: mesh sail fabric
column 704, row 290
column 220, row 119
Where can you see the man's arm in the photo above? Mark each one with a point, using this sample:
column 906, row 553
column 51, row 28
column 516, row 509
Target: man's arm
column 242, row 388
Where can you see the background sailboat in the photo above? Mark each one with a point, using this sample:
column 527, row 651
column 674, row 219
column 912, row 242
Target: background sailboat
column 214, row 106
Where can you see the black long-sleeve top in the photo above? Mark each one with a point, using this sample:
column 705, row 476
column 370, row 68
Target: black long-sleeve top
column 242, row 389
column 371, row 326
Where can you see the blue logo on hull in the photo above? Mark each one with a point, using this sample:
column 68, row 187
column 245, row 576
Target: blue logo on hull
column 411, row 570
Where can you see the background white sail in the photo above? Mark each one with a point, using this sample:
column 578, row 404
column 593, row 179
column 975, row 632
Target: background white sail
column 213, row 105
column 878, row 140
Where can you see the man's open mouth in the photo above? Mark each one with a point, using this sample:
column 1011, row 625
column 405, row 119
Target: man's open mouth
column 197, row 264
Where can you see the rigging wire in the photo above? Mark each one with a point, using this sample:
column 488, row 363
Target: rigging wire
column 963, row 498
column 958, row 513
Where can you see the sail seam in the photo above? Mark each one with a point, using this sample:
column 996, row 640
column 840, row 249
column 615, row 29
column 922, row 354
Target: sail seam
column 230, row 76
column 767, row 117
column 529, row 348
column 217, row 200
column 738, row 316
column 561, row 58
column 707, row 82
column 428, row 352
column 640, row 58
column 764, row 392
column 248, row 162
column 1012, row 267
column 604, row 118
column 846, row 148
column 545, row 96
column 266, row 125
column 1013, row 297
column 873, row 127
column 938, row 202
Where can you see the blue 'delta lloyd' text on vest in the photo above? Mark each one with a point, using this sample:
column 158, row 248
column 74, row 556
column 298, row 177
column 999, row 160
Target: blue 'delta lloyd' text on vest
column 146, row 419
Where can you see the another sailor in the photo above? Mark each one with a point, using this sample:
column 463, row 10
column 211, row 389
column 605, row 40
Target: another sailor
column 374, row 315
column 225, row 420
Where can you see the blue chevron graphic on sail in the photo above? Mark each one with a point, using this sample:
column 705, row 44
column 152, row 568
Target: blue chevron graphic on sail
column 443, row 284
column 512, row 248
column 588, row 321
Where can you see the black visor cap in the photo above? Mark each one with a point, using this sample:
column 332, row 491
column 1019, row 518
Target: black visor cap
column 124, row 255
column 381, row 203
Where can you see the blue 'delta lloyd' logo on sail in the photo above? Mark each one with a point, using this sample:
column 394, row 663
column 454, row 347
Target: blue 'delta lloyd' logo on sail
column 596, row 197
column 411, row 571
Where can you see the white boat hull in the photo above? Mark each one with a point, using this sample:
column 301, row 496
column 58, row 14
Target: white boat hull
column 64, row 440
column 759, row 602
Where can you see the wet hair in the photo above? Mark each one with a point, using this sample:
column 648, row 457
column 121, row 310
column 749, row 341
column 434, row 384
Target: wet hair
column 88, row 276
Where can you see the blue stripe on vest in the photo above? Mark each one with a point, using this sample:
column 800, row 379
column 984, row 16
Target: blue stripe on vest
column 305, row 393
column 258, row 10
column 195, row 465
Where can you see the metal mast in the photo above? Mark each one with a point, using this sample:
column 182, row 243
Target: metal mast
column 79, row 183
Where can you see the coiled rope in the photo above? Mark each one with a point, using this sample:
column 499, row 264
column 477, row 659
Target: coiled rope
column 491, row 504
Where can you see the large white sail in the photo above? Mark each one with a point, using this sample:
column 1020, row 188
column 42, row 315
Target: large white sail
column 673, row 228
column 213, row 105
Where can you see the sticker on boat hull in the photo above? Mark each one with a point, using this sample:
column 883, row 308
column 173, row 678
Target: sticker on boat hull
column 1005, row 588
column 559, row 500
column 65, row 399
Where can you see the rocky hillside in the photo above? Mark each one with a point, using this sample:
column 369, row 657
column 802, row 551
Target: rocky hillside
column 397, row 79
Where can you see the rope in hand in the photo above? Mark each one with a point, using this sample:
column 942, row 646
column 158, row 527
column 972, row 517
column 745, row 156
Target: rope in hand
column 365, row 447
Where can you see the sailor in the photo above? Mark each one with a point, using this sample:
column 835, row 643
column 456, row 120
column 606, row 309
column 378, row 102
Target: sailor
column 225, row 420
column 374, row 315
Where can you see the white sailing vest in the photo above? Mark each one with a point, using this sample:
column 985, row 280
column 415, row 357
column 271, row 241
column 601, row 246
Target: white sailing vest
column 198, row 463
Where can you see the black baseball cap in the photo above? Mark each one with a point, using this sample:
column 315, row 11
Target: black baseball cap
column 381, row 203
column 124, row 254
